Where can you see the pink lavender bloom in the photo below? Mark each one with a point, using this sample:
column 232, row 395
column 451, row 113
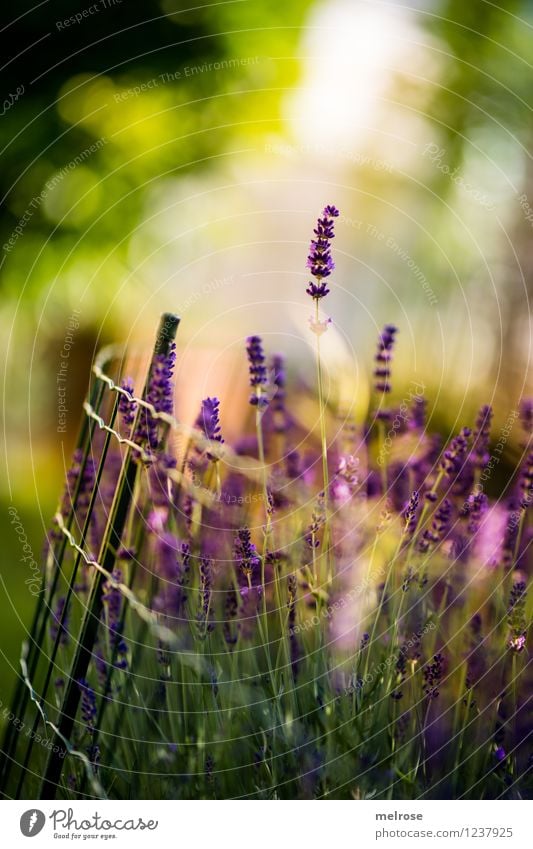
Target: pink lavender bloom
column 346, row 479
column 488, row 547
column 319, row 261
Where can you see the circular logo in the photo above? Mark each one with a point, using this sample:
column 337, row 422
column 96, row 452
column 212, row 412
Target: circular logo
column 32, row 822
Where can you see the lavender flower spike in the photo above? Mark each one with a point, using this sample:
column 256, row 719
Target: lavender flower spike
column 383, row 357
column 319, row 260
column 208, row 422
column 258, row 371
column 160, row 394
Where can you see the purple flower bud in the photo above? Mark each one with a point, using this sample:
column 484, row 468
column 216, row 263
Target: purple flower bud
column 258, row 371
column 319, row 260
column 454, row 456
column 127, row 407
column 57, row 628
column 433, row 673
column 410, row 514
column 160, row 394
column 383, row 358
column 480, row 447
column 438, row 528
column 112, row 599
column 231, row 608
column 208, row 421
column 246, row 554
column 281, row 421
column 516, row 616
column 88, row 704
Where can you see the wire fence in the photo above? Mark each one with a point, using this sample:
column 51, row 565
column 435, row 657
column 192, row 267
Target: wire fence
column 38, row 740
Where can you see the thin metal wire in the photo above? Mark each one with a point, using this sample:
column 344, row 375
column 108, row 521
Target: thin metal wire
column 103, row 568
column 32, row 648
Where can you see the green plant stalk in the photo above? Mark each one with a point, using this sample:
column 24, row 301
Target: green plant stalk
column 324, row 446
column 381, row 453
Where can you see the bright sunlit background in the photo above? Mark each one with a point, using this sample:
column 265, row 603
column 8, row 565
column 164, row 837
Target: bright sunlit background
column 163, row 158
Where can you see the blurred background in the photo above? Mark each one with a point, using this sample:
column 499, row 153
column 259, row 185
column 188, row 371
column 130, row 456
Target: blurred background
column 158, row 157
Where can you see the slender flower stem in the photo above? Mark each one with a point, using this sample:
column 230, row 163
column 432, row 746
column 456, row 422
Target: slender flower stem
column 324, row 444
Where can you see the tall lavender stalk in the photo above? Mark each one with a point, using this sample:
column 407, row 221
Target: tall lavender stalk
column 321, row 265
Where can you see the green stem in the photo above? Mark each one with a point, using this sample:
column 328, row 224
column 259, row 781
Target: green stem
column 324, row 444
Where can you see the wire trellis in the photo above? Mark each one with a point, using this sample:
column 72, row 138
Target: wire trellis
column 39, row 736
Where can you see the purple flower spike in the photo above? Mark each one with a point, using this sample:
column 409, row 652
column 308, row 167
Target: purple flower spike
column 246, row 553
column 453, row 457
column 281, row 422
column 112, row 599
column 126, row 405
column 160, row 394
column 88, row 704
column 319, row 260
column 433, row 672
column 383, row 358
column 410, row 514
column 258, row 371
column 480, row 448
column 208, row 422
column 517, row 616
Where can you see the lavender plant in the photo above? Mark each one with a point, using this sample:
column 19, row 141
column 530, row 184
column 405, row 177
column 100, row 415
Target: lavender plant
column 332, row 634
